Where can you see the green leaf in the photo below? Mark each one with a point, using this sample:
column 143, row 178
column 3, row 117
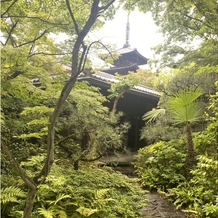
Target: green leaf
column 47, row 213
column 152, row 115
column 86, row 211
column 183, row 98
column 11, row 194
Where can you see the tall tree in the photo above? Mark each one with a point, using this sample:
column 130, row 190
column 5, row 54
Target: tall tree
column 26, row 26
column 190, row 28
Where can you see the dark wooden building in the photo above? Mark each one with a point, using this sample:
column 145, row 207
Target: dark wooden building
column 135, row 102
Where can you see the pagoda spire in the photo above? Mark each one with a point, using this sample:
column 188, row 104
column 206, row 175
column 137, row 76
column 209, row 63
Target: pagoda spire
column 126, row 45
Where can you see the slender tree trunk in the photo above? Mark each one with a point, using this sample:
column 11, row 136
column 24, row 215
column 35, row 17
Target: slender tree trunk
column 190, row 159
column 77, row 65
column 117, row 99
column 75, row 71
column 32, row 187
column 27, row 213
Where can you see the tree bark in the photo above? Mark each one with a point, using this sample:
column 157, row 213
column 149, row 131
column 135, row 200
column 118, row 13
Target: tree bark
column 117, row 99
column 30, row 198
column 190, row 159
column 29, row 182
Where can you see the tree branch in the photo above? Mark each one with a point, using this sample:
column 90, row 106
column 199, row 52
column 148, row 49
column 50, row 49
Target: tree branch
column 118, row 97
column 93, row 159
column 14, row 75
column 38, row 18
column 81, row 63
column 103, row 8
column 73, row 18
column 5, row 1
column 198, row 20
column 16, row 166
column 89, row 47
column 47, row 54
column 10, row 35
column 8, row 8
column 32, row 41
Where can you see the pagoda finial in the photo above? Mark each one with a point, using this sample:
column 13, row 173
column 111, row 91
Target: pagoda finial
column 126, row 45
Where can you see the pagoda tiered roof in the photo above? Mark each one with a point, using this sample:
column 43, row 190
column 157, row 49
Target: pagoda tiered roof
column 128, row 60
column 130, row 54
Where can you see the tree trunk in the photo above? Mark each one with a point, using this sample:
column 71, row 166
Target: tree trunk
column 77, row 65
column 75, row 71
column 29, row 202
column 190, row 159
column 117, row 99
column 32, row 187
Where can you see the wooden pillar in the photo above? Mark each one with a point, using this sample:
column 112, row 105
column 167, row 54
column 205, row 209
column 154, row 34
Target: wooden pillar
column 136, row 133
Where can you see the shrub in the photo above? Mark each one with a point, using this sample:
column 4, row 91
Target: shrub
column 161, row 165
column 200, row 194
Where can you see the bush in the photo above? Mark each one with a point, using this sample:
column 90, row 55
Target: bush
column 200, row 194
column 161, row 165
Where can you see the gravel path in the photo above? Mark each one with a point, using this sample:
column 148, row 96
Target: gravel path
column 160, row 207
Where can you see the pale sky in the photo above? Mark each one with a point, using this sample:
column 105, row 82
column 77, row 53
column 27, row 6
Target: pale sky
column 143, row 32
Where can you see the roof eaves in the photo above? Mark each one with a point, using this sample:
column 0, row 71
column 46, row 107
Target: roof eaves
column 139, row 88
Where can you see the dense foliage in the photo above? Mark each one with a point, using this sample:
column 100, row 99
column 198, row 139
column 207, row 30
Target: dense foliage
column 162, row 166
column 47, row 118
column 158, row 166
column 190, row 50
column 190, row 30
column 70, row 193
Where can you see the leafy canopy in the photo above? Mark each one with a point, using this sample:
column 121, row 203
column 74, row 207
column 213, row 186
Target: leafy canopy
column 190, row 30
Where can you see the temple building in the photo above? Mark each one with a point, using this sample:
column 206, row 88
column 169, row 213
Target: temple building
column 135, row 102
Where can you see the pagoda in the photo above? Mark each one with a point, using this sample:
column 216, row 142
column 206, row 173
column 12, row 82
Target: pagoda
column 128, row 58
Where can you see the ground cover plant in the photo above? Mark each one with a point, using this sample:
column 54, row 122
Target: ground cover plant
column 87, row 192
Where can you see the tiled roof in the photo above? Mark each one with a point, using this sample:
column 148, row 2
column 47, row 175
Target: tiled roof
column 125, row 50
column 105, row 77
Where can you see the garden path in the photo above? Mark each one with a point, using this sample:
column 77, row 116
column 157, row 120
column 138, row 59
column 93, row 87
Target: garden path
column 160, row 207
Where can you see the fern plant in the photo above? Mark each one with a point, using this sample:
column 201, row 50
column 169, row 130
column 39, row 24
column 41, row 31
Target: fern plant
column 10, row 197
column 63, row 204
column 55, row 207
column 76, row 194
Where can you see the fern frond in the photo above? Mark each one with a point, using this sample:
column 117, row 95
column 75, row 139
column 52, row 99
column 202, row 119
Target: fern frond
column 11, row 194
column 86, row 211
column 47, row 213
column 61, row 213
column 99, row 194
column 59, row 198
